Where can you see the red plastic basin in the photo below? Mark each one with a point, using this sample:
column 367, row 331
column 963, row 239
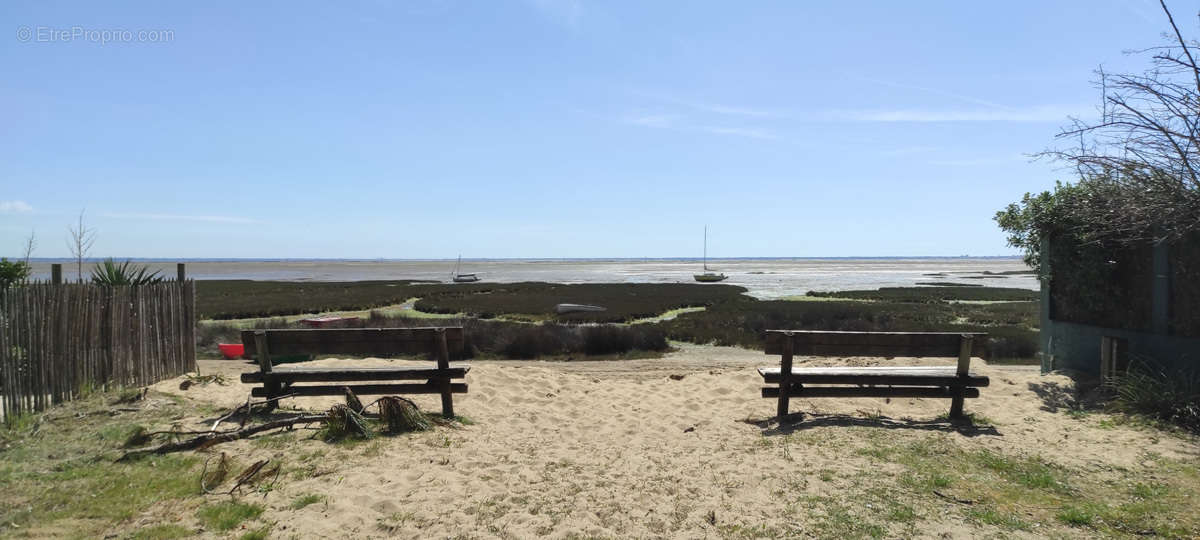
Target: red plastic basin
column 232, row 351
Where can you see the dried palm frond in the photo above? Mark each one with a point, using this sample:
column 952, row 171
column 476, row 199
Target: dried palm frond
column 343, row 422
column 402, row 415
column 352, row 400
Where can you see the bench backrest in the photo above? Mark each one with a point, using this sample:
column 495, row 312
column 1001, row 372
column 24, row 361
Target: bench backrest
column 355, row 341
column 828, row 343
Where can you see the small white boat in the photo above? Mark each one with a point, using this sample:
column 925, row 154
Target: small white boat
column 708, row 276
column 574, row 308
column 462, row 278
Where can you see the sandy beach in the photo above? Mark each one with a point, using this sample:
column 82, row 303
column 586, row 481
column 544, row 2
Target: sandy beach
column 681, row 446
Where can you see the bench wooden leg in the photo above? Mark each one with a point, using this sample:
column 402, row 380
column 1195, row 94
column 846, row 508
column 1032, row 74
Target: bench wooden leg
column 965, row 344
column 785, row 376
column 444, row 384
column 956, row 405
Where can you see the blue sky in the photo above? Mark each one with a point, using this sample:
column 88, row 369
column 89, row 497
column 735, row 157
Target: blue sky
column 542, row 128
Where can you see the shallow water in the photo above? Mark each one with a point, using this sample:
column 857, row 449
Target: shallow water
column 764, row 278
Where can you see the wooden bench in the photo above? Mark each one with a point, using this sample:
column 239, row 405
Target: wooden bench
column 952, row 382
column 263, row 344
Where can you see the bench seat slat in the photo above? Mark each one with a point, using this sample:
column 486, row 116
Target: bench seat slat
column 877, row 391
column 456, row 371
column 887, row 376
column 364, row 389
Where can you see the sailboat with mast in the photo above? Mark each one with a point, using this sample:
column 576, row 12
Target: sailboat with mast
column 460, row 277
column 708, row 276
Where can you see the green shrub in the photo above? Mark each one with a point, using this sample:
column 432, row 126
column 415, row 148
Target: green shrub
column 608, row 339
column 13, row 273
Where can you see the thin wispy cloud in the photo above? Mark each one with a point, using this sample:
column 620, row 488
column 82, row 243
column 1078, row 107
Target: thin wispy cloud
column 1145, row 12
column 983, row 110
column 15, row 207
column 731, row 110
column 676, row 123
column 709, row 107
column 178, row 217
column 661, row 121
column 908, row 151
column 938, row 92
column 565, row 12
column 976, row 162
column 752, row 133
column 1045, row 113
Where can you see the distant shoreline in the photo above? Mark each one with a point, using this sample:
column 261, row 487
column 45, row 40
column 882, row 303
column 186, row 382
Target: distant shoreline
column 65, row 260
column 763, row 277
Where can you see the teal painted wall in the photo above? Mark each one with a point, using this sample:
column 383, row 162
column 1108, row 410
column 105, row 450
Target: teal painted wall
column 1074, row 346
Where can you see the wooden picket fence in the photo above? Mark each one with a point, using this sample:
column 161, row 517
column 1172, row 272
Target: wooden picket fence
column 58, row 341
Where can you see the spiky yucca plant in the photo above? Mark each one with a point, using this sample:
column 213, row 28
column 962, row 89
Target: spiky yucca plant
column 110, row 272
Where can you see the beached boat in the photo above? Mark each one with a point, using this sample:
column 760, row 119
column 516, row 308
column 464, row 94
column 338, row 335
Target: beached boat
column 708, row 276
column 231, row 351
column 575, row 308
column 463, row 278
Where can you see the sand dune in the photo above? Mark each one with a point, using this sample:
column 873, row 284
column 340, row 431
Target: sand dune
column 621, row 449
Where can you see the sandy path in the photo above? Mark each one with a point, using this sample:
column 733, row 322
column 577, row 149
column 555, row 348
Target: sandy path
column 618, row 448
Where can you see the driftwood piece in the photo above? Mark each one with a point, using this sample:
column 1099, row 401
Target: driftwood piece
column 205, row 441
column 248, row 407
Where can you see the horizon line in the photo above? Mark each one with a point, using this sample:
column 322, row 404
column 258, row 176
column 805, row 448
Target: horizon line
column 430, row 259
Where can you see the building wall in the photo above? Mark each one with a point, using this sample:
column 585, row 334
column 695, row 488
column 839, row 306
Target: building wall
column 1075, row 346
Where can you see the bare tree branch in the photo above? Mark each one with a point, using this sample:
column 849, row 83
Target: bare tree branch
column 30, row 246
column 80, row 243
column 1144, row 151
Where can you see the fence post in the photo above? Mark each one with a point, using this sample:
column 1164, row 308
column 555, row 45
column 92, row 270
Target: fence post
column 56, row 273
column 180, row 272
